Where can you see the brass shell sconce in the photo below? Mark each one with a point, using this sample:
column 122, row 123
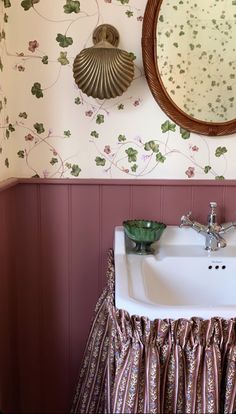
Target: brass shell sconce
column 103, row 71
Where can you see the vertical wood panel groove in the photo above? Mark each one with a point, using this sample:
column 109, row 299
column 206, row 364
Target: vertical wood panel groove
column 39, row 202
column 131, row 201
column 100, row 227
column 69, row 252
column 162, row 193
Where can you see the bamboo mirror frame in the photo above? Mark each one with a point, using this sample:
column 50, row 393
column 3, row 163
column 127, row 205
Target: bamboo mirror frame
column 155, row 82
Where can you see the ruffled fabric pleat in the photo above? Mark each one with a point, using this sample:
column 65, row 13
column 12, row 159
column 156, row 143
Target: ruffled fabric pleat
column 134, row 365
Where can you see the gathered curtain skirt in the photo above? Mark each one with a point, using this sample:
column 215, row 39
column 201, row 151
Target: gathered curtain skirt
column 134, row 365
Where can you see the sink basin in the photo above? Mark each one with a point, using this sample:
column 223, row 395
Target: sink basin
column 180, row 280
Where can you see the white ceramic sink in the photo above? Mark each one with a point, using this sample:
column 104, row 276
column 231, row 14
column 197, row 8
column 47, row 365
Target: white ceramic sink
column 180, row 280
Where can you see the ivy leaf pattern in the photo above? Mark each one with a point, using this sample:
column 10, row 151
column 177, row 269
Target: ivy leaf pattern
column 132, row 154
column 168, row 126
column 124, row 1
column 72, row 6
column 129, row 13
column 160, row 158
column 132, row 56
column 121, row 138
column 151, row 146
column 23, row 115
column 27, row 4
column 39, row 127
column 63, row 40
column 125, row 153
column 100, row 161
column 11, row 128
column 45, row 60
column 37, row 90
column 7, row 3
column 94, row 134
column 67, row 133
column 77, row 101
column 100, row 119
column 220, row 151
column 134, row 167
column 54, row 161
column 63, row 59
column 207, row 168
column 184, row 133
column 75, row 170
column 21, row 154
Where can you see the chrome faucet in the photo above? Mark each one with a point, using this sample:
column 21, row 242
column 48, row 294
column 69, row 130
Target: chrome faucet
column 212, row 231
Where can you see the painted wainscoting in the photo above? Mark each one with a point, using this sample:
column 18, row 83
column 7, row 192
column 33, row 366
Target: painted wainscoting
column 9, row 380
column 54, row 239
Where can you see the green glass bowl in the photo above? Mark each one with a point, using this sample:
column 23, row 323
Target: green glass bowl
column 143, row 233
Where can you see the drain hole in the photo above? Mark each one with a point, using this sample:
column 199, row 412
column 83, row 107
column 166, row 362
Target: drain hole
column 223, row 267
column 216, row 267
column 209, row 267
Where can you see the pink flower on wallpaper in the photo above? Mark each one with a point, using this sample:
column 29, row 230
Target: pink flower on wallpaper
column 190, row 172
column 21, row 68
column 195, row 148
column 107, row 149
column 137, row 102
column 29, row 137
column 89, row 113
column 145, row 157
column 45, row 173
column 54, row 153
column 33, row 44
column 140, row 18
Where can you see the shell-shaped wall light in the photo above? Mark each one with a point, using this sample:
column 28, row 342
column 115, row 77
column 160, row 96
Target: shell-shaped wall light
column 103, row 71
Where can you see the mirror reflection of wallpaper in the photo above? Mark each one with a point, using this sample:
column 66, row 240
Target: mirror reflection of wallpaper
column 196, row 52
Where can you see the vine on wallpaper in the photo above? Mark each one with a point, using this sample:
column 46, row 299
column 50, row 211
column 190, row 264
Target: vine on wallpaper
column 135, row 157
column 6, row 126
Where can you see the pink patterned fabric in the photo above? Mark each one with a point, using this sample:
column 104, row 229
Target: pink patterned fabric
column 134, row 365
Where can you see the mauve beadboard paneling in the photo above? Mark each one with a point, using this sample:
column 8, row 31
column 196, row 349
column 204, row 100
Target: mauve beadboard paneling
column 28, row 297
column 9, row 374
column 84, row 250
column 54, row 298
column 53, row 247
column 115, row 206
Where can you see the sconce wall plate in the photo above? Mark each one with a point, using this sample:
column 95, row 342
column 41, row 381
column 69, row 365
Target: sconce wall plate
column 103, row 71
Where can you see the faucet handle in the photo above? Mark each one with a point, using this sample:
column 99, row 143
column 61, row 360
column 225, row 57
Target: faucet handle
column 213, row 204
column 186, row 220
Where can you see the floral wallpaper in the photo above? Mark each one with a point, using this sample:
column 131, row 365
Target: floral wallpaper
column 50, row 129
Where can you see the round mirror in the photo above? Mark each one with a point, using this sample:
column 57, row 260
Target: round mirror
column 189, row 55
